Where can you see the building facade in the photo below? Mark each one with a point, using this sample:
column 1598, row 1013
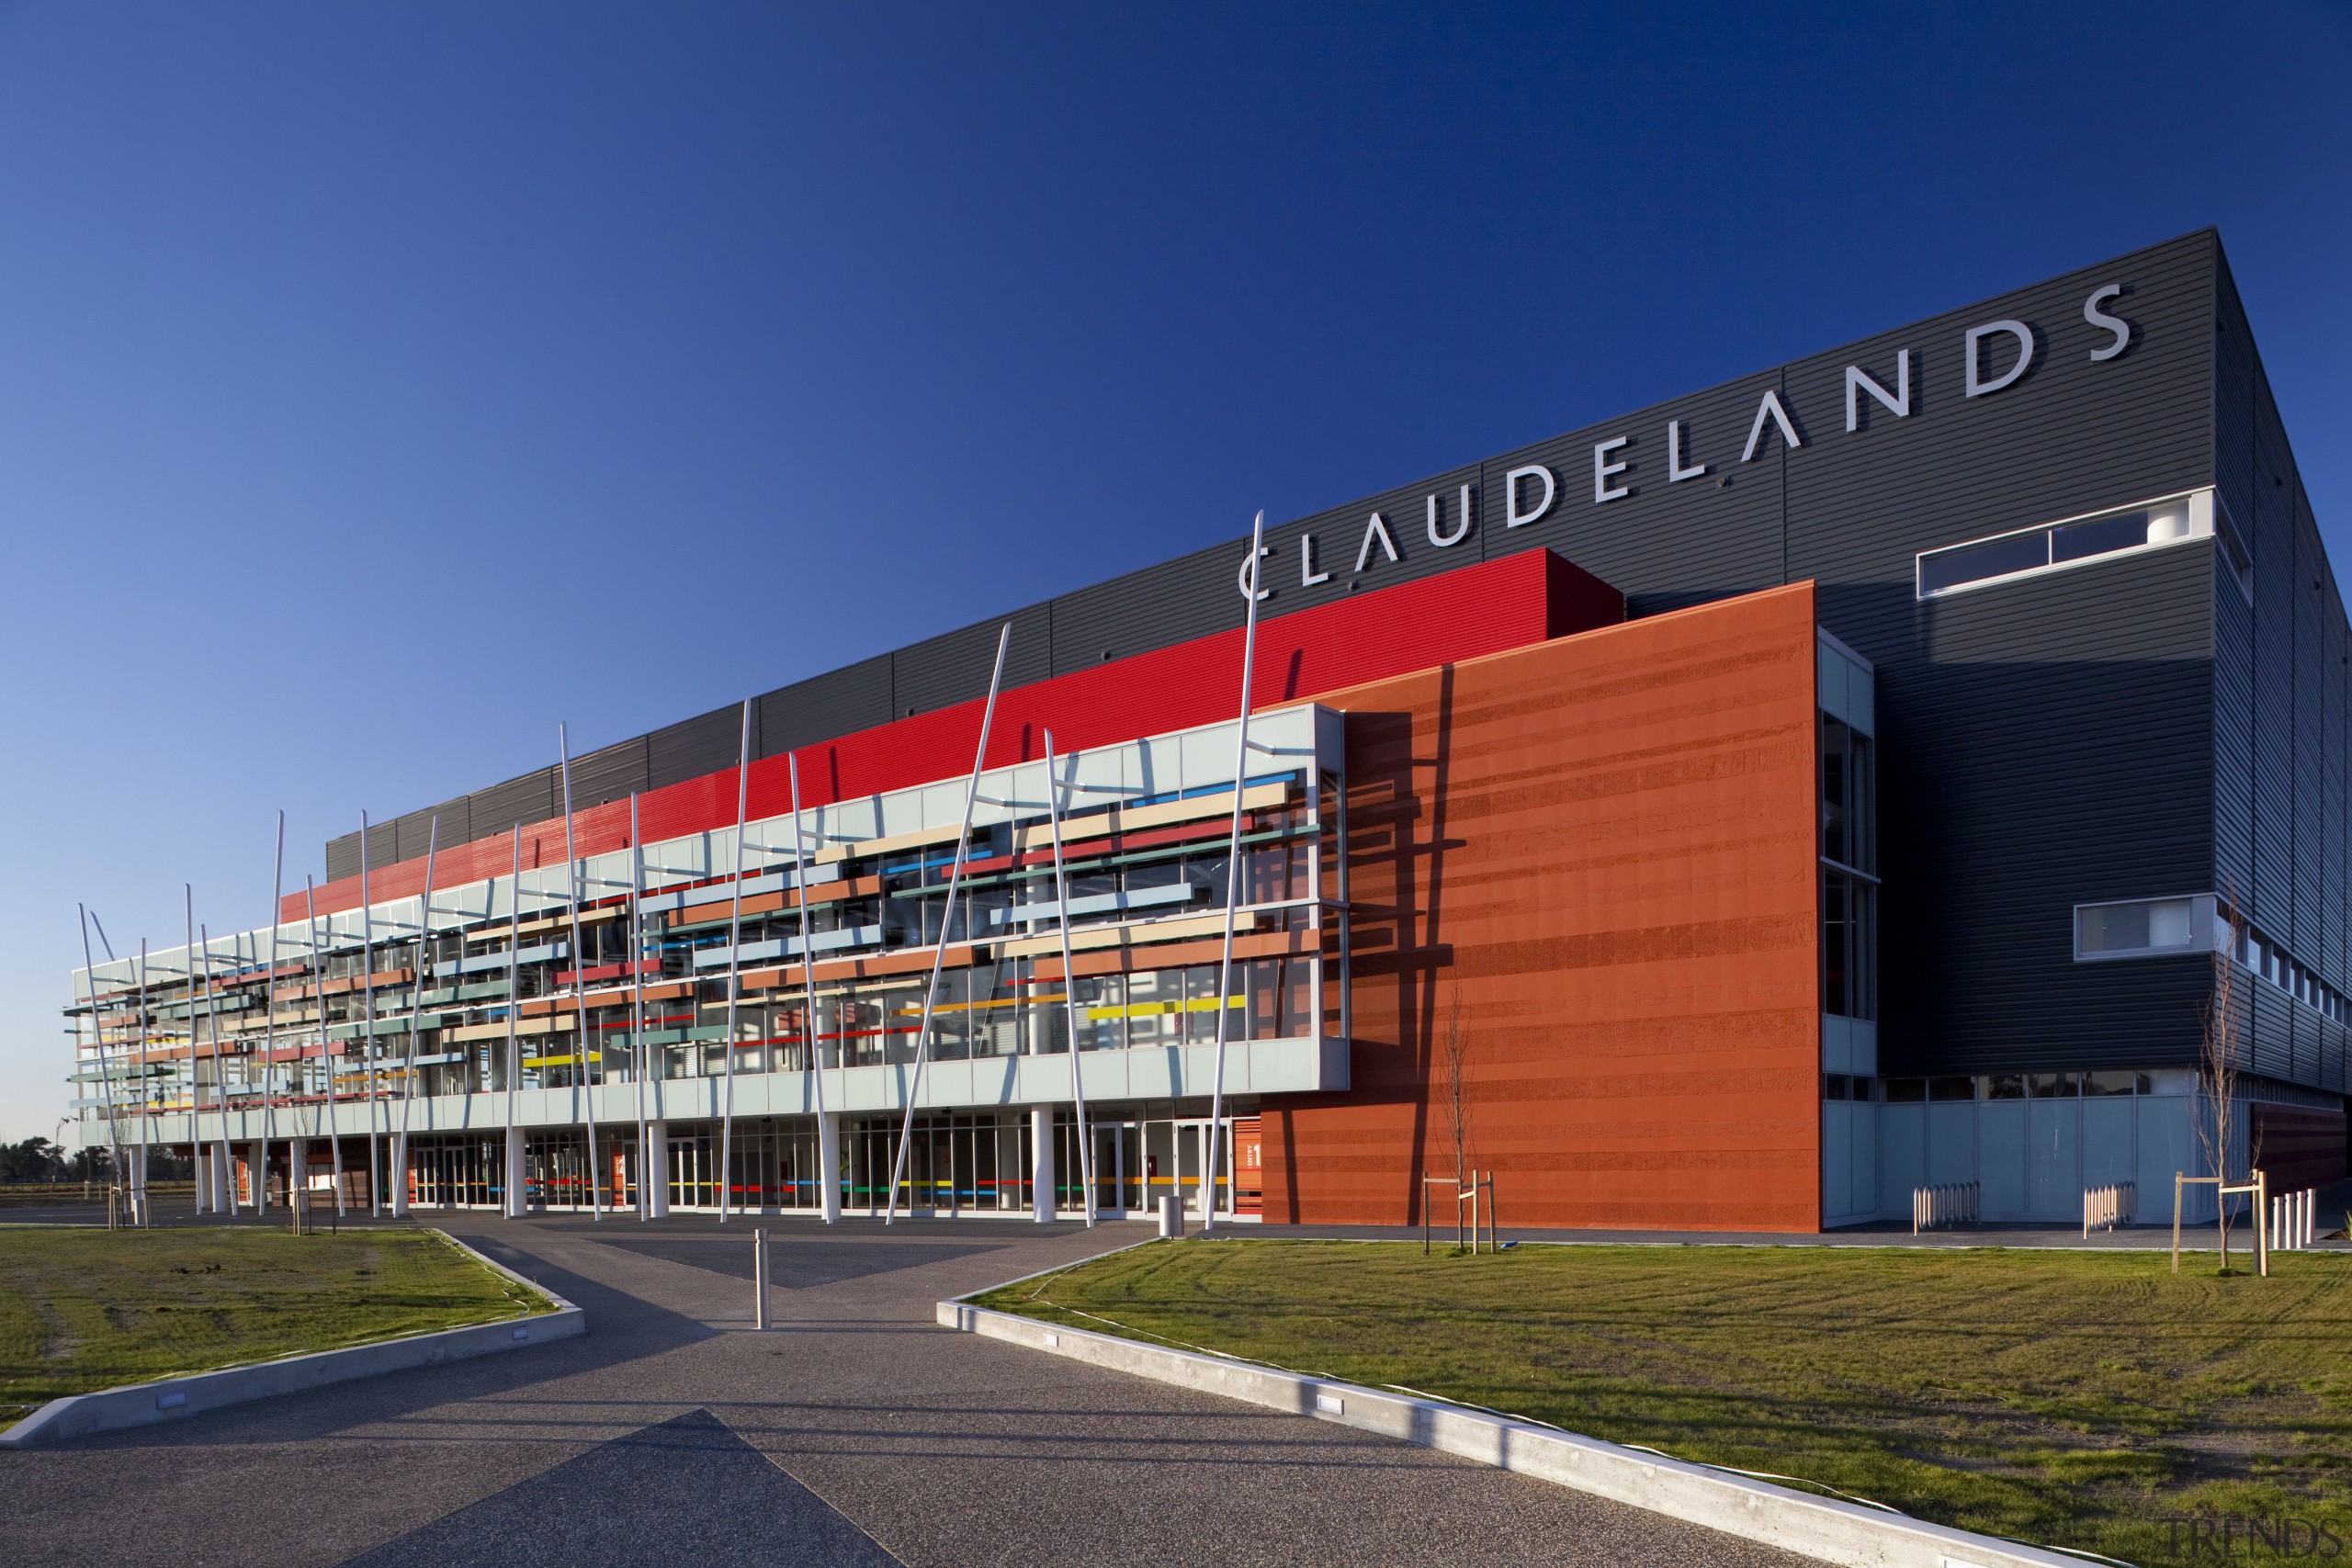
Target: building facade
column 1734, row 816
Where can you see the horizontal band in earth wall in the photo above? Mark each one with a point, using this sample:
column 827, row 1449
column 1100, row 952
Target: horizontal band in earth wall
column 1822, row 1528
column 168, row 1399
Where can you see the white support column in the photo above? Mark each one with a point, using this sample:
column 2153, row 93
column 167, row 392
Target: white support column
column 517, row 1188
column 398, row 1167
column 297, row 1166
column 257, row 1162
column 657, row 1168
column 224, row 1191
column 1207, row 1204
column 1041, row 1164
column 829, row 1165
column 201, row 1160
column 134, row 1159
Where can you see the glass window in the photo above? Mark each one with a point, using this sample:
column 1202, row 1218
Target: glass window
column 2108, row 1083
column 2129, row 530
column 2052, row 1086
column 1952, row 1089
column 1848, row 831
column 2004, row 1085
column 1849, row 962
column 1833, row 1086
column 1904, row 1091
column 2066, row 544
column 2160, row 925
column 1964, row 564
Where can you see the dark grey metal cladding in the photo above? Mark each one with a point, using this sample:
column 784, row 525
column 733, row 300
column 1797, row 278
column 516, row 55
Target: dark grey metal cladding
column 1200, row 595
column 610, row 772
column 2233, row 724
column 2283, row 714
column 529, row 799
column 1669, row 544
column 414, row 833
column 2031, row 733
column 2034, row 759
column 1350, row 554
column 840, row 702
column 693, row 747
column 954, row 667
column 1193, row 595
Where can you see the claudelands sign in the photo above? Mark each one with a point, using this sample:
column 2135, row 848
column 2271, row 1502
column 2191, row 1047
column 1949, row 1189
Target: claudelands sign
column 1530, row 491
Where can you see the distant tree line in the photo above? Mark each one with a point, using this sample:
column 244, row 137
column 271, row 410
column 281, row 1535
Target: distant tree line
column 37, row 1159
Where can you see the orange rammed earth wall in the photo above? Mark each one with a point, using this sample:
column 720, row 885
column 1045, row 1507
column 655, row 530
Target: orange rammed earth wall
column 1605, row 847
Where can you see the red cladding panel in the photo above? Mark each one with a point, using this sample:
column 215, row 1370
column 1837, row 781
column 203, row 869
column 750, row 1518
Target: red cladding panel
column 1482, row 609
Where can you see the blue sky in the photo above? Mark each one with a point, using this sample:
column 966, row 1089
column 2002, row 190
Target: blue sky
column 379, row 385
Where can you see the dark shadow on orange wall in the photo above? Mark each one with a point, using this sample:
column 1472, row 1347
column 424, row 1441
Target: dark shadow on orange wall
column 1396, row 779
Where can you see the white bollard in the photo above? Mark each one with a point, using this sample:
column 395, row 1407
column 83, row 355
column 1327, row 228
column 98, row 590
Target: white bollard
column 759, row 1277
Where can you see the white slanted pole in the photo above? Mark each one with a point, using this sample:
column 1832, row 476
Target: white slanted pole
column 326, row 1057
column 946, row 922
column 829, row 1187
column 146, row 1096
column 734, row 968
column 578, row 981
column 269, row 1030
column 205, row 1190
column 517, row 1186
column 368, row 1045
column 1069, row 981
column 226, row 1178
column 194, row 1089
column 1233, row 876
column 415, row 1016
column 640, row 1058
column 105, row 1078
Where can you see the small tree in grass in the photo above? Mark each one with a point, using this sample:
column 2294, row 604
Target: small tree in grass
column 2217, row 1064
column 1457, row 1063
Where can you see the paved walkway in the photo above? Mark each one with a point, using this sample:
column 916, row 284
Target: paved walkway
column 857, row 1432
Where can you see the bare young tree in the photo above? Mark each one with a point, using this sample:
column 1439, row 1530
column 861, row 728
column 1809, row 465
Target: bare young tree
column 2217, row 1064
column 1457, row 1100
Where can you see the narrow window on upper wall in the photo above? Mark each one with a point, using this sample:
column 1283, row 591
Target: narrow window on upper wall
column 2074, row 541
column 2141, row 928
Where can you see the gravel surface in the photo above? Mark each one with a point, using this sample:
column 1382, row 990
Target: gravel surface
column 854, row 1431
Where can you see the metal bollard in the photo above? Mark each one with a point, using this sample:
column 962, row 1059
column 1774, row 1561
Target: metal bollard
column 1171, row 1217
column 759, row 1277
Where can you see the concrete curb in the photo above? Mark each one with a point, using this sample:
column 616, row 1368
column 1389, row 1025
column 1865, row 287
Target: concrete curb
column 1820, row 1528
column 168, row 1399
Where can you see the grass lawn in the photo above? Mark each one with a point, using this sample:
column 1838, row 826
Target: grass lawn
column 2069, row 1398
column 90, row 1308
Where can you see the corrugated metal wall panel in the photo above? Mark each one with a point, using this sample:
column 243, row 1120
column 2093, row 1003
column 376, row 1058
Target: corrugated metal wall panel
column 954, row 667
column 1192, row 596
column 695, row 747
column 2234, row 648
column 839, row 703
column 2274, row 678
column 495, row 810
column 2311, row 733
column 1667, row 544
column 609, row 772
